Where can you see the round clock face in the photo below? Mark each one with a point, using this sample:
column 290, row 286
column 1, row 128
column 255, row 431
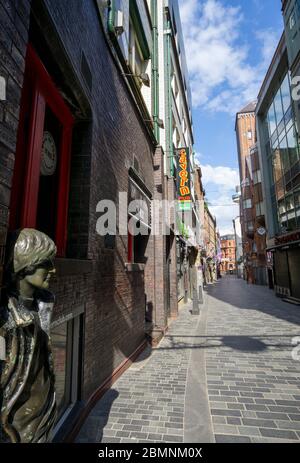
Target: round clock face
column 49, row 155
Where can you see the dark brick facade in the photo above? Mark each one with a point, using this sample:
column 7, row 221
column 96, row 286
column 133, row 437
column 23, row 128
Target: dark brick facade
column 14, row 21
column 70, row 41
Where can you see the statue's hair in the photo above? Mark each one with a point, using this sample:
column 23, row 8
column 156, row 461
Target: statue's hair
column 31, row 249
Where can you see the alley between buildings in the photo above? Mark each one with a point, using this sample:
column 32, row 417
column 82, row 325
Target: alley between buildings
column 230, row 375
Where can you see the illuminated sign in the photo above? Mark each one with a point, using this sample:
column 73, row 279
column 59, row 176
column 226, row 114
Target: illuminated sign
column 183, row 179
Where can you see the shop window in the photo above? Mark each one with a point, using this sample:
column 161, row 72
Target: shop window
column 66, row 340
column 40, row 188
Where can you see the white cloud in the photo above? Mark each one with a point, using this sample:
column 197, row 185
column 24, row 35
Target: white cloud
column 226, row 177
column 221, row 77
column 219, row 183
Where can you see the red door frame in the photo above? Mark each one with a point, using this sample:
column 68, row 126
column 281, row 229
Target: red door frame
column 25, row 190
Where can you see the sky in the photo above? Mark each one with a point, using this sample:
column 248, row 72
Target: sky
column 229, row 45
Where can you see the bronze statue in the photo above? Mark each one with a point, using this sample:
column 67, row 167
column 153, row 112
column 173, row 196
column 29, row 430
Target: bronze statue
column 27, row 388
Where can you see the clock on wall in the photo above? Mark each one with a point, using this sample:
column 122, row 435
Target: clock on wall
column 49, row 155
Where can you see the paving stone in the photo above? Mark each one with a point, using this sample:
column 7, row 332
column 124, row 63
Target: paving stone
column 228, row 439
column 259, row 423
column 219, row 419
column 294, row 425
column 272, row 416
column 249, row 431
column 225, row 412
column 294, row 417
column 234, row 421
column 278, row 433
column 256, row 407
column 225, row 429
column 235, row 406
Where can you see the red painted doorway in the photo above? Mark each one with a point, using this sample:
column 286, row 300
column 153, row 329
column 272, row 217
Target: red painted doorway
column 40, row 187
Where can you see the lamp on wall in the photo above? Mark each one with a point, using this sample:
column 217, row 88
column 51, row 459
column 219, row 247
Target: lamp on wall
column 144, row 77
column 159, row 121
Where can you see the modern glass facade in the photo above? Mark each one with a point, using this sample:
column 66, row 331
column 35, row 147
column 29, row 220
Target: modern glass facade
column 283, row 154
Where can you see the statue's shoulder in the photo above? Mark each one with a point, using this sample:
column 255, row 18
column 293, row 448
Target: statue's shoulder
column 6, row 319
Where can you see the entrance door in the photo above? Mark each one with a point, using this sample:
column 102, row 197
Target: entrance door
column 167, row 285
column 40, row 187
column 294, row 266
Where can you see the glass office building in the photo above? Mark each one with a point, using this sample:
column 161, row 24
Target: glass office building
column 279, row 153
column 283, row 155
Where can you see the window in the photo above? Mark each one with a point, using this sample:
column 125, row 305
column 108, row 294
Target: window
column 247, row 203
column 293, row 145
column 40, row 190
column 259, row 209
column 284, row 155
column 277, row 165
column 271, row 120
column 136, row 61
column 257, row 177
column 139, row 222
column 278, row 107
column 66, row 343
column 292, row 20
column 286, row 93
column 249, row 134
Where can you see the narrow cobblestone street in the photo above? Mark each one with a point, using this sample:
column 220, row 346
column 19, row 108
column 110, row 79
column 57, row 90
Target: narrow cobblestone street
column 226, row 376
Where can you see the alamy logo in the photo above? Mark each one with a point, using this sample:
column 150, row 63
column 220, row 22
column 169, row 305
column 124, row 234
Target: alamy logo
column 2, row 89
column 296, row 350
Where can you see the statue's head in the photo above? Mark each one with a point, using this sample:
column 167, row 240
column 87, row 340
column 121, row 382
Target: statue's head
column 33, row 258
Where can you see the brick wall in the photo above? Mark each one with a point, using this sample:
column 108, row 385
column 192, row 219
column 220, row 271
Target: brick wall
column 114, row 298
column 14, row 20
column 107, row 135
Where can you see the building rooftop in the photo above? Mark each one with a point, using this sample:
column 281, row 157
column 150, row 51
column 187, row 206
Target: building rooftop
column 227, row 237
column 249, row 108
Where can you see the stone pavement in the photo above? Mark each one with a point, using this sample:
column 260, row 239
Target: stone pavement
column 253, row 381
column 147, row 402
column 226, row 376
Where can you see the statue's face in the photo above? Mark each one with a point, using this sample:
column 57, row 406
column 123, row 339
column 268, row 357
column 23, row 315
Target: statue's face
column 41, row 277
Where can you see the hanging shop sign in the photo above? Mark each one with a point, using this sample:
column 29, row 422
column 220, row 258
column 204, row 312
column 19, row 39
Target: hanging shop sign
column 183, row 179
column 293, row 237
column 261, row 231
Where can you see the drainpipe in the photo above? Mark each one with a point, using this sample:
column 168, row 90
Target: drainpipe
column 111, row 17
column 155, row 76
column 168, row 86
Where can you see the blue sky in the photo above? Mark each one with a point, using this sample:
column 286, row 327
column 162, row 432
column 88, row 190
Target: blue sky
column 229, row 45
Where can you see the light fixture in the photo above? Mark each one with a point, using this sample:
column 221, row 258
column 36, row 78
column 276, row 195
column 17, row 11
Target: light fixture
column 159, row 121
column 144, row 77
